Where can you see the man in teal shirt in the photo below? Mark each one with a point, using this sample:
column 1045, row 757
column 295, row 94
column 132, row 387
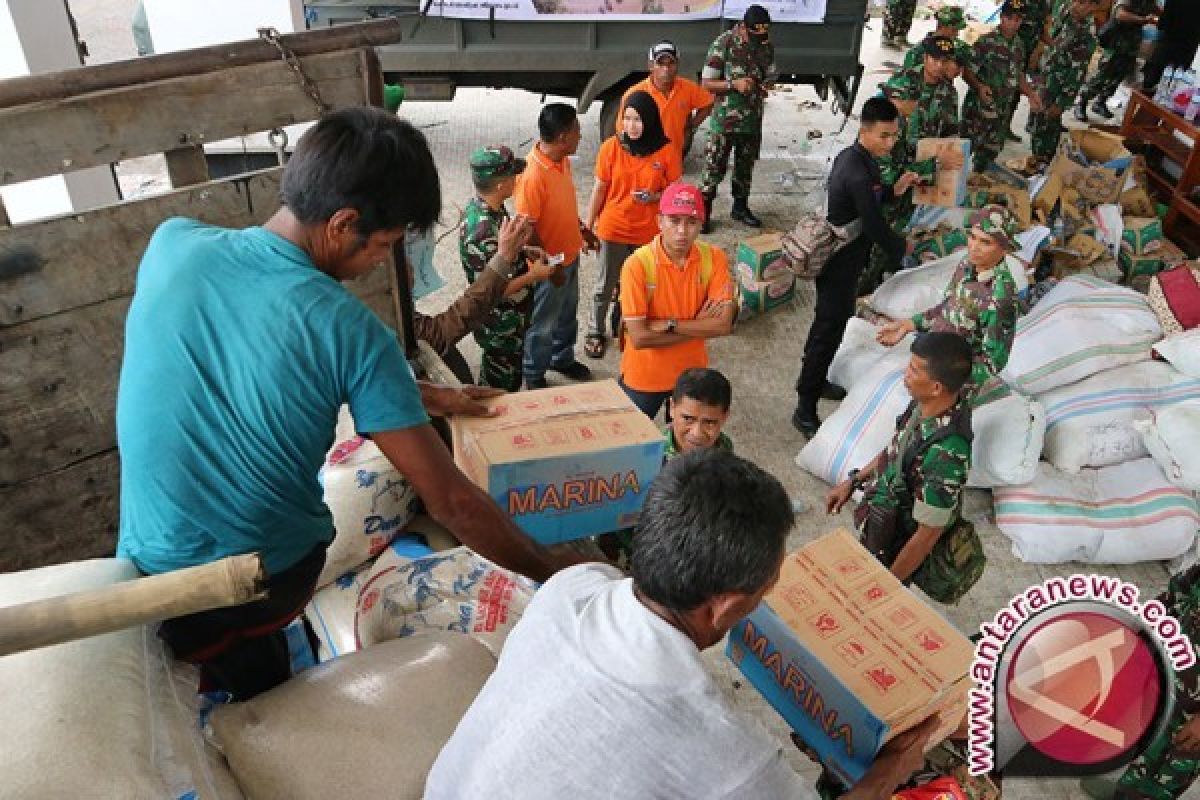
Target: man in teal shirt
column 241, row 345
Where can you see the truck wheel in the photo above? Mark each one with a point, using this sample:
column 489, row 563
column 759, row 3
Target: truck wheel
column 608, row 116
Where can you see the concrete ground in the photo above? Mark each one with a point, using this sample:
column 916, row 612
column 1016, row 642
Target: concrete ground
column 762, row 357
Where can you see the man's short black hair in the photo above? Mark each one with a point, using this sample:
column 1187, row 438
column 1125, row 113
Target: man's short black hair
column 368, row 160
column 878, row 109
column 712, row 523
column 948, row 356
column 555, row 120
column 705, row 386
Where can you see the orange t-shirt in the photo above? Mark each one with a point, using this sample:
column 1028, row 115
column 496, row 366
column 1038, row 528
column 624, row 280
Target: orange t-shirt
column 678, row 295
column 546, row 192
column 623, row 219
column 674, row 108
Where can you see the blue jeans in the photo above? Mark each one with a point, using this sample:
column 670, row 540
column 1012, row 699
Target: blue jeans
column 553, row 328
column 648, row 403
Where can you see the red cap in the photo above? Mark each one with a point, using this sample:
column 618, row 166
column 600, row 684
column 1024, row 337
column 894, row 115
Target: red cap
column 682, row 198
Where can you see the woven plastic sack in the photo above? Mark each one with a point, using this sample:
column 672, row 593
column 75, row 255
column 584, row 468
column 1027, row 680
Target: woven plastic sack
column 1172, row 436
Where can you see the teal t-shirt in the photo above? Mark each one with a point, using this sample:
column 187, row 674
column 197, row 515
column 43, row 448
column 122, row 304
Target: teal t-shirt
column 238, row 354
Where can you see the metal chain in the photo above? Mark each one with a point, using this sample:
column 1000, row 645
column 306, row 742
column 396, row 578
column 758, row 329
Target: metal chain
column 272, row 36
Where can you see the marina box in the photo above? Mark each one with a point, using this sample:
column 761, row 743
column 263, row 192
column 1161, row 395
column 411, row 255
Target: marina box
column 564, row 462
column 849, row 657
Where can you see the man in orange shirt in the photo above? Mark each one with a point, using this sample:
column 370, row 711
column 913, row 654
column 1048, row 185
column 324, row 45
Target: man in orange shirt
column 675, row 293
column 545, row 193
column 682, row 104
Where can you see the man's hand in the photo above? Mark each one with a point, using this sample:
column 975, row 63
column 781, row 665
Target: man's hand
column 986, row 94
column 591, row 244
column 1187, row 739
column 541, row 270
column 445, row 401
column 896, row 762
column 743, row 85
column 838, row 496
column 889, row 334
column 949, row 157
column 905, row 182
column 657, row 325
column 1035, row 102
column 514, row 234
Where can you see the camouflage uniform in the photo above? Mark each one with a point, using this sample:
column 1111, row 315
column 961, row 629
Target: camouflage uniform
column 935, row 115
column 503, row 333
column 736, row 120
column 897, row 19
column 671, row 451
column 947, row 18
column 1060, row 74
column 1157, row 774
column 914, row 59
column 1119, row 61
column 1033, row 23
column 982, row 308
column 997, row 62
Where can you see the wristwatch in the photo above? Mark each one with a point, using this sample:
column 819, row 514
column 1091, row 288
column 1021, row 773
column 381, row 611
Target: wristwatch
column 672, row 324
column 855, row 481
column 729, row 84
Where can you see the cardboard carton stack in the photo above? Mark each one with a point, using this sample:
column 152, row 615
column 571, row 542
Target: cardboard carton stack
column 849, row 657
column 763, row 277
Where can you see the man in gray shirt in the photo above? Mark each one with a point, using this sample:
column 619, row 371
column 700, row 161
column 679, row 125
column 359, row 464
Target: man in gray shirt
column 601, row 690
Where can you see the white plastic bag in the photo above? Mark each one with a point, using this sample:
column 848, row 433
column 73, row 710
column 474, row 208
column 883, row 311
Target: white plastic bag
column 1091, row 423
column 1172, row 436
column 1082, row 326
column 457, row 590
column 1113, row 515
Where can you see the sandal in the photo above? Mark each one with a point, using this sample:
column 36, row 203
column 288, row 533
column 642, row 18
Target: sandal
column 594, row 345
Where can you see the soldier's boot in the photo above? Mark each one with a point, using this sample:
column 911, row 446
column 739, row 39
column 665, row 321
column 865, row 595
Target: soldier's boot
column 1100, row 108
column 742, row 213
column 708, row 204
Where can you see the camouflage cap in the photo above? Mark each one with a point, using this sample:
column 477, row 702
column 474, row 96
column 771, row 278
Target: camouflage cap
column 757, row 20
column 998, row 222
column 1014, row 7
column 903, row 85
column 951, row 16
column 940, row 47
column 495, row 161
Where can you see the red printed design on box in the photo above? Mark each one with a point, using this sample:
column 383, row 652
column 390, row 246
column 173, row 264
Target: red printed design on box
column 882, row 678
column 930, row 641
column 825, row 624
column 853, row 651
column 902, row 617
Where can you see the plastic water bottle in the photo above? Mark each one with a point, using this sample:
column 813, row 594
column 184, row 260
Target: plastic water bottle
column 1193, row 109
column 1181, row 92
column 1163, row 91
column 1060, row 231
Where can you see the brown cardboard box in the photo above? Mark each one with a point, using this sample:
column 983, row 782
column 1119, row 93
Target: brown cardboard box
column 564, row 462
column 950, row 185
column 1097, row 184
column 849, row 656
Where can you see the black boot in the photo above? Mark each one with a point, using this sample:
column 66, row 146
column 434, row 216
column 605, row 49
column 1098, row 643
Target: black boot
column 742, row 213
column 1100, row 108
column 708, row 204
column 1081, row 109
column 804, row 418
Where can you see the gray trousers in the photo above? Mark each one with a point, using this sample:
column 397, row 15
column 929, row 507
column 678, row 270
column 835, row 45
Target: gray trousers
column 612, row 258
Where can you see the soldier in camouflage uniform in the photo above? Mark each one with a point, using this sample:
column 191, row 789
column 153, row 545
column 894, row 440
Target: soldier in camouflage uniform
column 897, row 20
column 950, row 21
column 738, row 68
column 1060, row 73
column 928, row 105
column 913, row 490
column 493, row 172
column 981, row 300
column 996, row 77
column 1119, row 59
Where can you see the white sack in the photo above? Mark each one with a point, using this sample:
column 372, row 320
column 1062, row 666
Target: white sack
column 911, row 291
column 1182, row 350
column 1112, row 515
column 369, row 724
column 1081, row 327
column 1091, row 423
column 1008, row 428
column 331, row 614
column 1172, row 437
column 859, row 352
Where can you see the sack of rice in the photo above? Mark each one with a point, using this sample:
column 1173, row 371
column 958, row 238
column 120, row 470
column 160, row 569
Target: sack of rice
column 101, row 716
column 1113, row 515
column 1091, row 423
column 452, row 591
column 370, row 500
column 1172, row 436
column 1082, row 326
column 1008, row 428
column 1182, row 351
column 911, row 291
column 859, row 352
column 369, row 724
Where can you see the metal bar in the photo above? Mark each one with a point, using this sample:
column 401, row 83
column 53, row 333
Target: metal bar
column 60, row 85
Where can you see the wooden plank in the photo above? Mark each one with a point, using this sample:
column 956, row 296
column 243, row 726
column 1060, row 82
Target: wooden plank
column 186, row 166
column 58, row 264
column 94, row 129
column 67, row 515
column 58, row 85
column 60, row 388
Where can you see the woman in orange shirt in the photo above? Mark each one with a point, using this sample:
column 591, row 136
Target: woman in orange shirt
column 632, row 169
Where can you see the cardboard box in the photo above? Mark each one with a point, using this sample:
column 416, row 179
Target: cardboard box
column 950, row 185
column 1094, row 162
column 564, row 462
column 1134, row 265
column 765, row 280
column 848, row 656
column 1143, row 235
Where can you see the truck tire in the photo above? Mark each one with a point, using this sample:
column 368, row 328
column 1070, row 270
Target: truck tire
column 608, row 116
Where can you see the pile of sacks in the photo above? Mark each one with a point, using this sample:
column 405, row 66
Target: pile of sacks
column 1090, row 442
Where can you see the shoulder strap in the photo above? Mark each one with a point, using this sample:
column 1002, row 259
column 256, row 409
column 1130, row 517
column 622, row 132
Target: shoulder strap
column 706, row 263
column 645, row 254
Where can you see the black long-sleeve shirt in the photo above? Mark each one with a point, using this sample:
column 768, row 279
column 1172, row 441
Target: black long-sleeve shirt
column 857, row 191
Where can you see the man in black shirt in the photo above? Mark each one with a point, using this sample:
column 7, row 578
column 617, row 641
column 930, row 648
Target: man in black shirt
column 856, row 197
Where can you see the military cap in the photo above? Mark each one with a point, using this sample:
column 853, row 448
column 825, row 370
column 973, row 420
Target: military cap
column 951, row 15
column 940, row 47
column 757, row 20
column 495, row 161
column 998, row 222
column 1013, row 7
